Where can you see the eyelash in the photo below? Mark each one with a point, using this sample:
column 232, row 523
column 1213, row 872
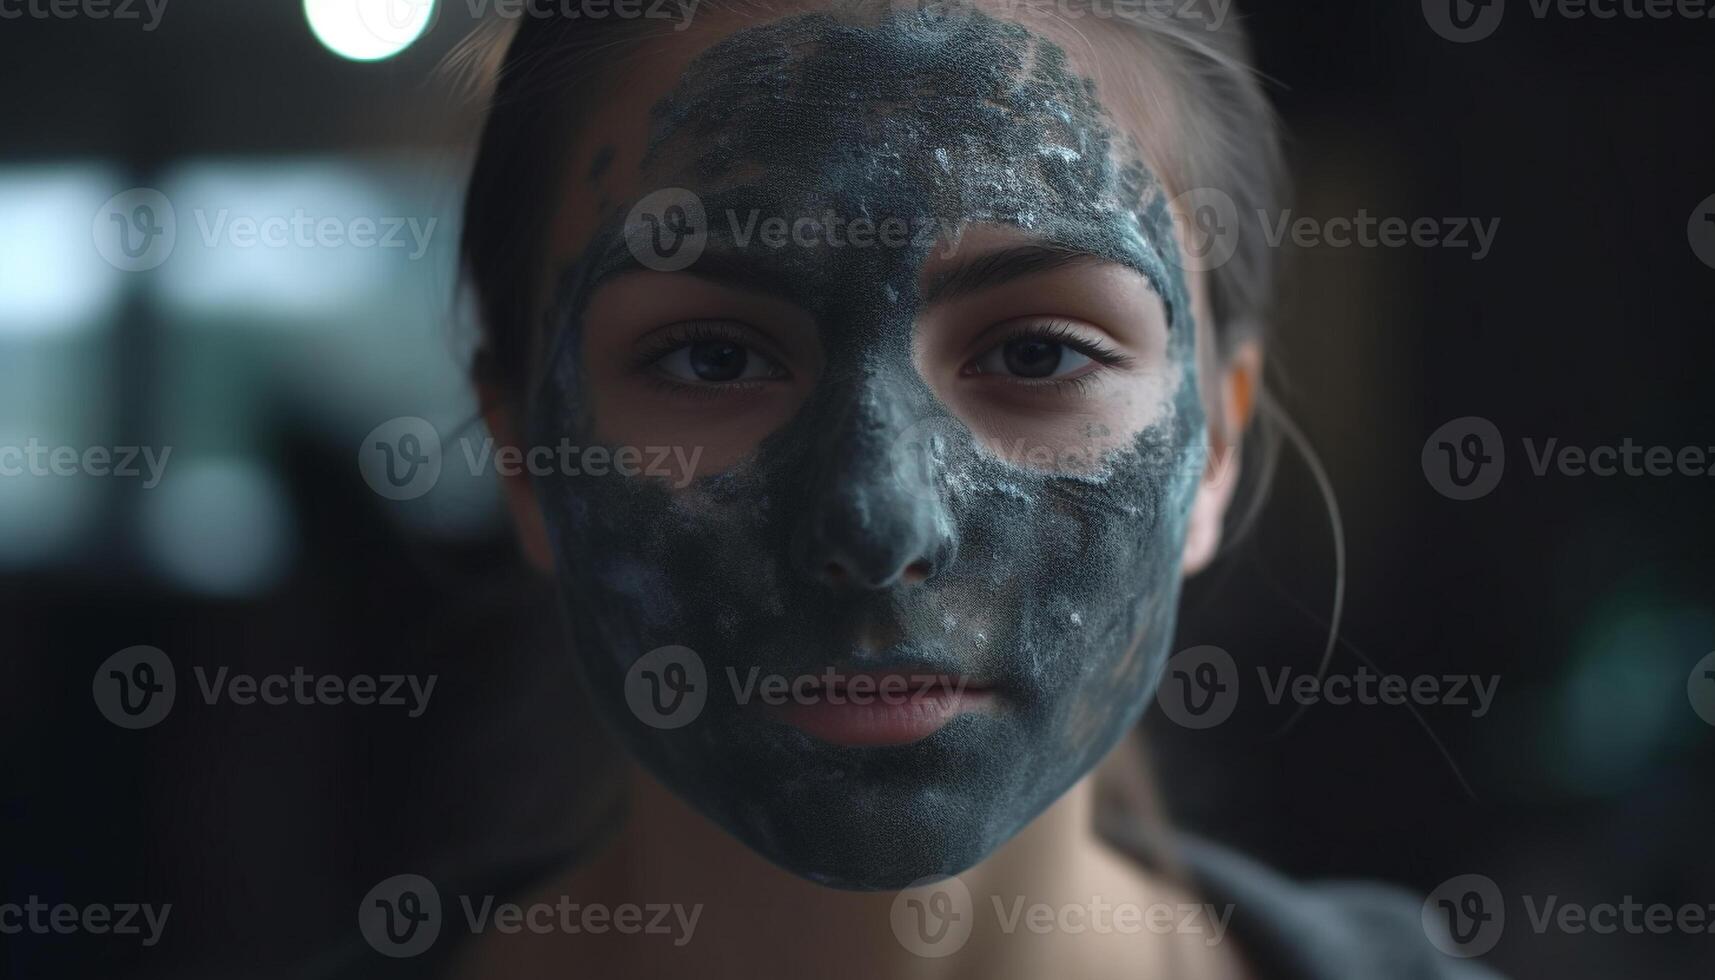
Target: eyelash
column 1060, row 332
column 695, row 331
column 680, row 335
column 677, row 335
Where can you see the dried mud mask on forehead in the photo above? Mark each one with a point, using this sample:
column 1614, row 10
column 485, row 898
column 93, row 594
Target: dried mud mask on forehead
column 1056, row 588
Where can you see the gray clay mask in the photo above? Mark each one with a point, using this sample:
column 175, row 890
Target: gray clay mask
column 1057, row 589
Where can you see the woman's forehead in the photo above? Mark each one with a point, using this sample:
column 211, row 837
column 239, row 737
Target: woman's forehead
column 606, row 165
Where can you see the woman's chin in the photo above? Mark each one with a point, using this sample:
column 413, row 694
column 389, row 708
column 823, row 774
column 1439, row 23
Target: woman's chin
column 866, row 861
column 869, row 819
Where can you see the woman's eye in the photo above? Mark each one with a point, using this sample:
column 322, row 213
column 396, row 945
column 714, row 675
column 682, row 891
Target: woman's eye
column 716, row 361
column 1033, row 358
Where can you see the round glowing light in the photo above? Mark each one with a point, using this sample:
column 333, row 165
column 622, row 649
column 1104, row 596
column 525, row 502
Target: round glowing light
column 368, row 30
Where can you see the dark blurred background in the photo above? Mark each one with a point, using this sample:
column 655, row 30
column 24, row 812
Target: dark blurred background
column 1588, row 600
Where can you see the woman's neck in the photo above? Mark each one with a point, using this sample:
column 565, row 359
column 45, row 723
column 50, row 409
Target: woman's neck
column 1053, row 901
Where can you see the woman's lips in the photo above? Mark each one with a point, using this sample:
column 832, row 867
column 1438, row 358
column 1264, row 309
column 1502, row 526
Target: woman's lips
column 880, row 708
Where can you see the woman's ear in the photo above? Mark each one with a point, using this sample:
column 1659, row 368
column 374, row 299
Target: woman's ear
column 1231, row 401
column 503, row 424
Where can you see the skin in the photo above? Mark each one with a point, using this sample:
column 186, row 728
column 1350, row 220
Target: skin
column 1153, row 323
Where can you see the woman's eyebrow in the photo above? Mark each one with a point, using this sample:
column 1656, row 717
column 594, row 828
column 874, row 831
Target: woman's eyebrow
column 738, row 270
column 995, row 268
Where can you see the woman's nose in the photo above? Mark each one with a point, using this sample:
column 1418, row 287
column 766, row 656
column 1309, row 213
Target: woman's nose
column 875, row 518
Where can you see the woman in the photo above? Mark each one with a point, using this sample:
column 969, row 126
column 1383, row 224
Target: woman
column 899, row 317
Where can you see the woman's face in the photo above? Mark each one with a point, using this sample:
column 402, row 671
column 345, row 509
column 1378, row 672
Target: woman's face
column 888, row 317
